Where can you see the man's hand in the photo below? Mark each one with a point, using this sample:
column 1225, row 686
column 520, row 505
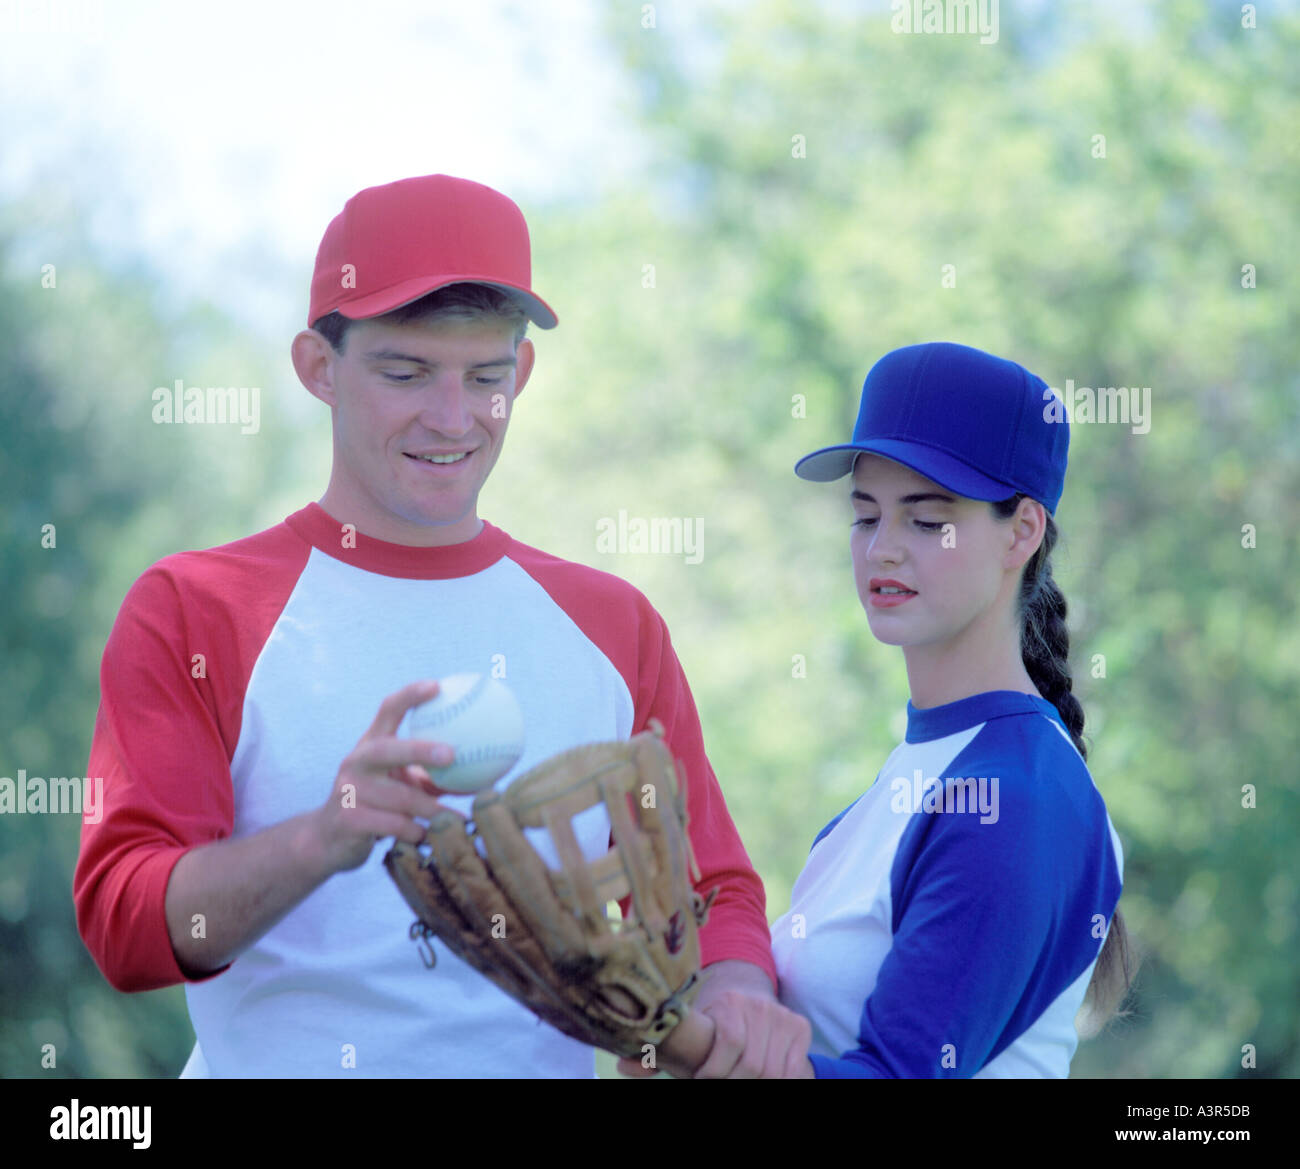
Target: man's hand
column 755, row 1037
column 380, row 787
column 242, row 887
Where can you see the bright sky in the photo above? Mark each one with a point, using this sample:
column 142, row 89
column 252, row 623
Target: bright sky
column 215, row 141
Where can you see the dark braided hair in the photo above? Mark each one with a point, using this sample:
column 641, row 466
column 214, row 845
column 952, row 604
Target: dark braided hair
column 1045, row 650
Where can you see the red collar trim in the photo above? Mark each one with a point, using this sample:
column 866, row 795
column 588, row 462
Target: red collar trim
column 326, row 534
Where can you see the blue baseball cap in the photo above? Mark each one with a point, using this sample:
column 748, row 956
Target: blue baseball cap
column 979, row 425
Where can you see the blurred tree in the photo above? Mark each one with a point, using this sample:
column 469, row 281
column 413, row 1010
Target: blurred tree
column 94, row 491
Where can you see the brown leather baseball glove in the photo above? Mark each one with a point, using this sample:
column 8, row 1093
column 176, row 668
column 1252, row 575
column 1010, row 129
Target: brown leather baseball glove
column 542, row 934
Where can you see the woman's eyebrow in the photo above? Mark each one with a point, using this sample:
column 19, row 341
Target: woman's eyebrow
column 915, row 497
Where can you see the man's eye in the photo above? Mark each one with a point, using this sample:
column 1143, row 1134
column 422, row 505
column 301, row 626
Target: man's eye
column 399, row 377
column 927, row 526
column 864, row 522
column 489, row 381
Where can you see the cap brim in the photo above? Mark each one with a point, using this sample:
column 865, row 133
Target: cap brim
column 835, row 462
column 828, row 464
column 408, row 291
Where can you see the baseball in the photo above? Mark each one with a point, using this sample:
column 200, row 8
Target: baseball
column 479, row 717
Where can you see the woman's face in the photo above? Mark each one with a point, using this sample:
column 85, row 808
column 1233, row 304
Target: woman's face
column 933, row 568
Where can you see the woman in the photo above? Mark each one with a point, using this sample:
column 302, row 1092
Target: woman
column 953, row 919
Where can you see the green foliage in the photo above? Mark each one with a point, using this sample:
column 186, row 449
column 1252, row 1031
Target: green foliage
column 79, row 362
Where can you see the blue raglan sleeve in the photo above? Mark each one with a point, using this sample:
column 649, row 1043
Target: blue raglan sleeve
column 993, row 920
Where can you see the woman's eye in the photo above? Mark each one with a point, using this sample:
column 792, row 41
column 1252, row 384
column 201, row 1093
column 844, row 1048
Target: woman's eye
column 924, row 525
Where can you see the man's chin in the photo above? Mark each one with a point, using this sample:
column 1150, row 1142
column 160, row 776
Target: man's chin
column 441, row 519
column 435, row 515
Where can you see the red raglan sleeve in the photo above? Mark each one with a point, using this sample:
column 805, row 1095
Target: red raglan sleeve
column 165, row 771
column 737, row 926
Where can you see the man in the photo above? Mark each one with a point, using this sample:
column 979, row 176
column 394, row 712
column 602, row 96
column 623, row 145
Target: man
column 251, row 696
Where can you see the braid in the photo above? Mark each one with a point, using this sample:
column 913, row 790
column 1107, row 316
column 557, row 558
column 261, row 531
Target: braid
column 1045, row 640
column 1045, row 650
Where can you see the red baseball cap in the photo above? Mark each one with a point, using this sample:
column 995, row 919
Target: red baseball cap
column 392, row 244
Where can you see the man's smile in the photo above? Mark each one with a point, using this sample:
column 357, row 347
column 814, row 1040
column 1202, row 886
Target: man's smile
column 433, row 459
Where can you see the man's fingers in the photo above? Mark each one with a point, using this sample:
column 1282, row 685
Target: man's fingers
column 796, row 1065
column 379, row 824
column 416, row 776
column 788, row 1036
column 386, row 753
column 779, row 1051
column 796, row 1058
column 397, row 704
column 754, row 1058
column 757, row 1038
column 383, row 793
column 728, row 1044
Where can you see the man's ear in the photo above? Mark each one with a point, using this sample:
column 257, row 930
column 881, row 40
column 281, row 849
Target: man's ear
column 313, row 361
column 525, row 355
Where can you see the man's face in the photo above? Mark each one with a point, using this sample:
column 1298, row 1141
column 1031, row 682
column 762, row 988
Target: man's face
column 957, row 579
column 420, row 414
